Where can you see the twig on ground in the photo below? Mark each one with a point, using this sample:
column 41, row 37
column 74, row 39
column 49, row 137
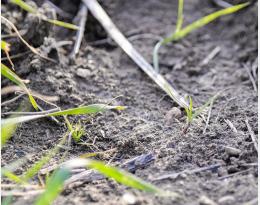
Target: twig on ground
column 174, row 175
column 12, row 100
column 82, row 15
column 211, row 55
column 251, row 78
column 58, row 10
column 98, row 12
column 34, row 50
column 222, row 3
column 237, row 173
column 21, row 193
column 252, row 134
column 14, row 34
column 23, row 186
column 208, row 118
column 14, row 88
column 16, row 56
column 31, row 113
column 230, row 124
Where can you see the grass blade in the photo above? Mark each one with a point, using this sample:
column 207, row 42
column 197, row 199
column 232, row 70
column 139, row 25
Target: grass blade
column 45, row 159
column 5, row 71
column 62, row 24
column 117, row 174
column 11, row 176
column 30, row 9
column 7, row 131
column 89, row 109
column 99, row 13
column 54, row 187
column 203, row 21
column 24, row 6
column 122, row 177
column 180, row 16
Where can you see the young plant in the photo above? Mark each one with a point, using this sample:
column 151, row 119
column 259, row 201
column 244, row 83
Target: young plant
column 180, row 32
column 8, row 73
column 192, row 114
column 32, row 10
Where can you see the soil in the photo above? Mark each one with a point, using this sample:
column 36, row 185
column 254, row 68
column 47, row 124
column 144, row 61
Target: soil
column 102, row 73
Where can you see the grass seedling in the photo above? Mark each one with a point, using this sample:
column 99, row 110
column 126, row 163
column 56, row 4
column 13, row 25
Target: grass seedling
column 54, row 186
column 191, row 113
column 180, row 32
column 32, row 10
column 8, row 73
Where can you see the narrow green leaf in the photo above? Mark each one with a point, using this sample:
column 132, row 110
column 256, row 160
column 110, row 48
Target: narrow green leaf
column 44, row 160
column 199, row 110
column 203, row 21
column 89, row 109
column 7, row 131
column 10, row 175
column 54, row 187
column 24, row 6
column 62, row 24
column 8, row 73
column 180, row 16
column 122, row 177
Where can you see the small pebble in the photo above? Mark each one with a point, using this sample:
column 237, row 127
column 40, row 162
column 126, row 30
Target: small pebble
column 231, row 151
column 129, row 199
column 226, row 200
column 204, row 200
column 83, row 73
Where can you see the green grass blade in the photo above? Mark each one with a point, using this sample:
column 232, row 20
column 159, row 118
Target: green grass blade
column 8, row 73
column 203, row 21
column 89, row 109
column 54, row 187
column 44, row 160
column 7, row 131
column 122, row 177
column 24, row 6
column 180, row 16
column 62, row 24
column 203, row 107
column 10, row 175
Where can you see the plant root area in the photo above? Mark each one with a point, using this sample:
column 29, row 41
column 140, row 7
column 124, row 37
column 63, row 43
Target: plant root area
column 209, row 164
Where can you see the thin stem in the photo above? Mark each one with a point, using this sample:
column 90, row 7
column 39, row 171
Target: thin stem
column 180, row 16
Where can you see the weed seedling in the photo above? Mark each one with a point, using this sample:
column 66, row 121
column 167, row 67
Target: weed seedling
column 180, row 32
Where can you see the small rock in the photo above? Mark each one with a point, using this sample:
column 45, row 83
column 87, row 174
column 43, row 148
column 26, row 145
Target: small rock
column 204, row 200
column 226, row 200
column 83, row 73
column 231, row 151
column 173, row 113
column 129, row 199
